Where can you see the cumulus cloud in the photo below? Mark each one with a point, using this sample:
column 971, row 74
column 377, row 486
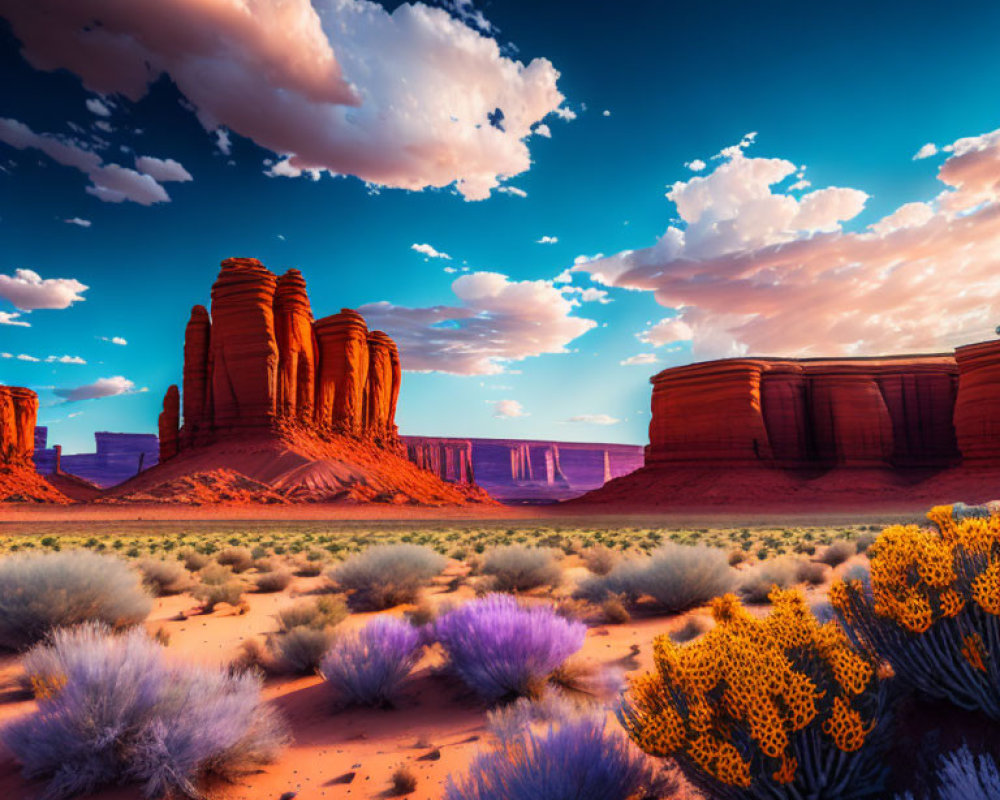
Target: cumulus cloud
column 752, row 270
column 928, row 150
column 111, row 183
column 548, row 240
column 82, row 223
column 543, row 130
column 405, row 99
column 13, row 318
column 513, row 190
column 97, row 106
column 508, row 408
column 595, row 419
column 495, row 322
column 102, row 387
column 28, row 291
column 639, row 359
column 589, row 294
column 696, row 165
column 162, row 170
column 429, row 251
column 65, row 360
column 26, row 357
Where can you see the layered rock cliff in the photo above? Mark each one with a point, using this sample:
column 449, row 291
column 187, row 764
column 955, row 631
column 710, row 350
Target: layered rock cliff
column 259, row 358
column 773, row 432
column 19, row 481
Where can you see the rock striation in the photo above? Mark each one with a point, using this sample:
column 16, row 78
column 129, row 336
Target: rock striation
column 259, row 358
column 783, row 430
column 19, row 481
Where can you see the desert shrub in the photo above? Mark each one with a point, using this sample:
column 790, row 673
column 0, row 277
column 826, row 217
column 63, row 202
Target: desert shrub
column 41, row 592
column 193, row 560
column 116, row 710
column 213, row 573
column 164, row 577
column 324, row 611
column 239, row 559
column 932, row 607
column 757, row 583
column 500, row 649
column 811, row 572
column 963, row 776
column 211, row 594
column 366, row 667
column 836, row 553
column 516, row 568
column 813, row 727
column 386, row 575
column 581, row 759
column 403, row 781
column 599, row 559
column 299, row 650
column 613, row 610
column 692, row 628
column 865, row 540
column 677, row 577
column 274, row 581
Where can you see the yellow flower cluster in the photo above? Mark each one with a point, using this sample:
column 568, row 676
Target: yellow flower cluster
column 915, row 571
column 746, row 674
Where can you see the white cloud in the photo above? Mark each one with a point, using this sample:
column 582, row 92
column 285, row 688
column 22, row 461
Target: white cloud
column 543, row 130
column 508, row 408
column 605, row 113
column 83, row 223
column 928, row 150
column 595, row 419
column 163, row 170
column 639, row 359
column 26, row 357
column 589, row 295
column 222, row 141
column 12, row 318
column 65, row 360
column 429, row 251
column 548, row 240
column 514, row 190
column 284, row 168
column 114, row 340
column 751, row 270
column 397, row 99
column 102, row 387
column 496, row 321
column 696, row 165
column 108, row 182
column 799, row 185
column 28, row 291
column 97, row 106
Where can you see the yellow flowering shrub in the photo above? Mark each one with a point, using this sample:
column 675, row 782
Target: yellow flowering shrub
column 745, row 708
column 932, row 609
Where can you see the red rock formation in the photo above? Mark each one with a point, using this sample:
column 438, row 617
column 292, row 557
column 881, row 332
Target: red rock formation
column 449, row 459
column 850, row 421
column 169, row 423
column 379, row 401
column 197, row 404
column 244, row 352
column 977, row 408
column 296, row 347
column 19, row 482
column 343, row 371
column 18, row 414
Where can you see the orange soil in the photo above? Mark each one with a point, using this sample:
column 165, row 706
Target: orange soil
column 24, row 485
column 435, row 730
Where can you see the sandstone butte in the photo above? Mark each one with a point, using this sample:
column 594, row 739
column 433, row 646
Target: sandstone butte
column 19, row 482
column 281, row 407
column 820, row 434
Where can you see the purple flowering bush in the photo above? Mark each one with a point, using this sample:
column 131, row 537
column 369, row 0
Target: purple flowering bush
column 45, row 591
column 501, row 649
column 366, row 667
column 113, row 709
column 964, row 776
column 578, row 760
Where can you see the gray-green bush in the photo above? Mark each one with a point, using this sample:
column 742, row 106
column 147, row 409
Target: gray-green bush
column 386, row 575
column 516, row 568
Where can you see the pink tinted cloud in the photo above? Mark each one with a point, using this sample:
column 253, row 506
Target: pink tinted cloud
column 496, row 321
column 399, row 99
column 752, row 270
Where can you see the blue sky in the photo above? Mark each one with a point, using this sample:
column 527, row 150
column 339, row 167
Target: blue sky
column 850, row 91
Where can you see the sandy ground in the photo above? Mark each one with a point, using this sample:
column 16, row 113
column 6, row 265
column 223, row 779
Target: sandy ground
column 435, row 729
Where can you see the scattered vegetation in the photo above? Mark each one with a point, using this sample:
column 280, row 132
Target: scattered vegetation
column 757, row 582
column 163, row 577
column 368, row 666
column 502, row 650
column 43, row 591
column 112, row 709
column 836, row 553
column 276, row 580
column 386, row 575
